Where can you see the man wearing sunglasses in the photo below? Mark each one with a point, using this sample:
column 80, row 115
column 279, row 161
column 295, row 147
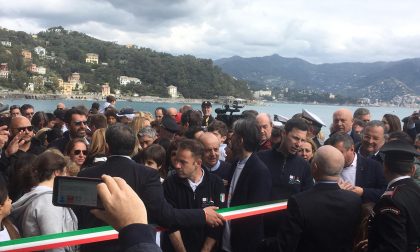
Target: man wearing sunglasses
column 76, row 122
column 21, row 133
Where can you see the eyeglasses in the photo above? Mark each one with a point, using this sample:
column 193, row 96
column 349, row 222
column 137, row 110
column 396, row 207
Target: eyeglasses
column 77, row 152
column 79, row 123
column 28, row 128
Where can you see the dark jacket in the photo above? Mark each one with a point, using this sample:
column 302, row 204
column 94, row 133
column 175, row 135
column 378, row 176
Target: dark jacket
column 138, row 238
column 370, row 176
column 179, row 194
column 206, row 123
column 253, row 186
column 289, row 175
column 146, row 182
column 61, row 143
column 324, row 218
column 395, row 225
column 224, row 172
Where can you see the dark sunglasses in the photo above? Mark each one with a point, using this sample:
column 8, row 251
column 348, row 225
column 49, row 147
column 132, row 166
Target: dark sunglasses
column 29, row 128
column 77, row 152
column 79, row 123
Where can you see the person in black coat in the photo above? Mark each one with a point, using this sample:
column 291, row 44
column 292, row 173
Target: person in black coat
column 361, row 175
column 395, row 224
column 192, row 187
column 250, row 183
column 146, row 182
column 325, row 217
column 125, row 211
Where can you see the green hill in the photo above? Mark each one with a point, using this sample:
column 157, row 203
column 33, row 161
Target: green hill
column 66, row 52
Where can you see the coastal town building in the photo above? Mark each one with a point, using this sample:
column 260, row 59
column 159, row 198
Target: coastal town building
column 6, row 43
column 67, row 88
column 27, row 55
column 124, row 80
column 172, row 91
column 30, row 87
column 106, row 90
column 92, row 58
column 131, row 46
column 260, row 93
column 40, row 51
column 4, row 71
column 41, row 70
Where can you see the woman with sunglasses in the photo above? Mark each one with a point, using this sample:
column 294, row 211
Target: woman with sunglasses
column 77, row 150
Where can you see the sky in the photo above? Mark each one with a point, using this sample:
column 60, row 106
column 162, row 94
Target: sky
column 319, row 31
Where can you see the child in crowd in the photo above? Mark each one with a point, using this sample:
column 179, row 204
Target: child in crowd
column 7, row 230
column 220, row 129
column 154, row 157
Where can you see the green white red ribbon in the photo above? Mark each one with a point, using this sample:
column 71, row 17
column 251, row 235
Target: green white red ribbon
column 105, row 233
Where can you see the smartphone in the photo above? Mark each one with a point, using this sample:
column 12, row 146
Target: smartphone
column 76, row 191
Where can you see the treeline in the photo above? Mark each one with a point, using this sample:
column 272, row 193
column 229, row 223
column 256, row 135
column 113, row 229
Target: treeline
column 194, row 77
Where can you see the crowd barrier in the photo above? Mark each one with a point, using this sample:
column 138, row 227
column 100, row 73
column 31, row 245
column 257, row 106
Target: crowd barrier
column 105, row 233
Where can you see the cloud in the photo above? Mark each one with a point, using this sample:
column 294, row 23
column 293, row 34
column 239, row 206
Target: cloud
column 318, row 31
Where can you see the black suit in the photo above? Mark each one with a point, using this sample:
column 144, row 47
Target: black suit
column 324, row 218
column 370, row 176
column 395, row 226
column 146, row 182
column 252, row 186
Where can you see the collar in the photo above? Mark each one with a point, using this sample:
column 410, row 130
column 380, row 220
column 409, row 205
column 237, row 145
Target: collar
column 215, row 167
column 195, row 184
column 120, row 156
column 354, row 163
column 395, row 180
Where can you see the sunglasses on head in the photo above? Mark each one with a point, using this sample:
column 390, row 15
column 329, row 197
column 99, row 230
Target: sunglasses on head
column 29, row 128
column 77, row 152
column 79, row 123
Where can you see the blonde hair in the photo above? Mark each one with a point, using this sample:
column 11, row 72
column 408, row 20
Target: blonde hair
column 98, row 145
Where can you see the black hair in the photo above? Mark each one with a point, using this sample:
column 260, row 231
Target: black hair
column 295, row 123
column 341, row 137
column 156, row 153
column 220, row 126
column 4, row 193
column 192, row 117
column 394, row 122
column 192, row 145
column 121, row 139
column 191, row 131
column 249, row 130
column 73, row 111
column 24, row 107
column 400, row 135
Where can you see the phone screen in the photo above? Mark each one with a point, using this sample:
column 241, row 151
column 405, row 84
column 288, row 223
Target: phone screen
column 75, row 191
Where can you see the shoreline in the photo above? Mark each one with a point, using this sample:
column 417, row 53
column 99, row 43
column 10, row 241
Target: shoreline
column 155, row 99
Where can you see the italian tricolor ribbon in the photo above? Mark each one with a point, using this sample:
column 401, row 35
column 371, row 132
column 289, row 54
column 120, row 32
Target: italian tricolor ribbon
column 105, row 233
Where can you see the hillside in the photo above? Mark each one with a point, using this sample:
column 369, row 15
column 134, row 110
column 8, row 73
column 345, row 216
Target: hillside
column 379, row 80
column 66, row 53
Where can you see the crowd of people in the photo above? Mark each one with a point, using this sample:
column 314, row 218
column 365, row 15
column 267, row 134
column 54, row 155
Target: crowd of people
column 356, row 190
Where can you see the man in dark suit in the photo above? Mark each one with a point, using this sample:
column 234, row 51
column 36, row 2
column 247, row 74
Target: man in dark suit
column 343, row 122
column 364, row 176
column 250, row 183
column 145, row 181
column 325, row 217
column 395, row 224
column 373, row 139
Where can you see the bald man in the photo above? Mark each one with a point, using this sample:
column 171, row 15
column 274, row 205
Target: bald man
column 343, row 122
column 325, row 207
column 172, row 112
column 211, row 160
column 266, row 125
column 21, row 133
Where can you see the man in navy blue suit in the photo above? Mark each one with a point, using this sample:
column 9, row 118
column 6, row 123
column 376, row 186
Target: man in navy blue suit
column 325, row 217
column 364, row 176
column 250, row 183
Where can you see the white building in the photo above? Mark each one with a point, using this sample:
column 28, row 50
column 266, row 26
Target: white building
column 6, row 43
column 172, row 91
column 30, row 87
column 40, row 51
column 41, row 70
column 4, row 74
column 124, row 80
column 260, row 93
